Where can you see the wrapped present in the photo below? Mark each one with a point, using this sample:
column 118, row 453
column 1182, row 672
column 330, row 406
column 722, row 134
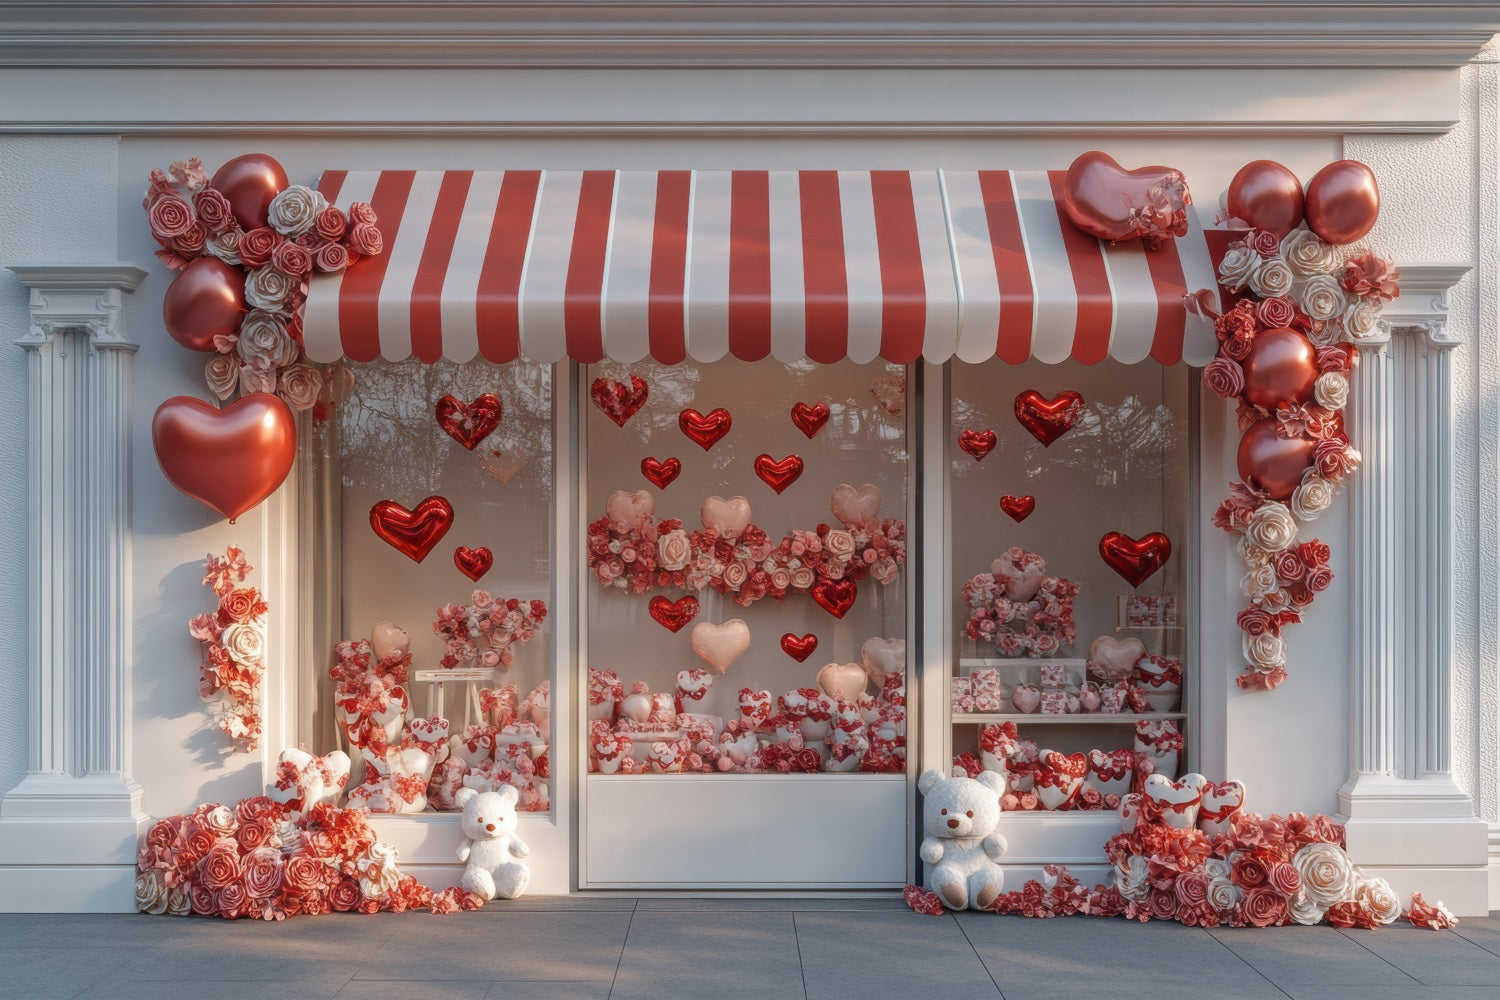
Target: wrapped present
column 1054, row 702
column 1053, row 675
column 1148, row 611
column 959, row 687
column 1112, row 699
column 984, row 680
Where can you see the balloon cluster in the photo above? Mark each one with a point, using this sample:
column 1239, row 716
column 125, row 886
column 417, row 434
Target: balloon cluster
column 1340, row 206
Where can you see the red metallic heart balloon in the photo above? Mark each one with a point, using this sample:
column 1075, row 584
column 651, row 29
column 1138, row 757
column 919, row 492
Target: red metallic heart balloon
column 809, row 419
column 1048, row 419
column 835, row 596
column 1271, row 463
column 661, row 473
column 473, row 563
column 205, row 300
column 1282, row 367
column 1343, row 201
column 469, row 423
column 705, row 429
column 1135, row 559
column 1111, row 203
column 229, row 459
column 617, row 402
column 250, row 182
column 1019, row 508
column 978, row 443
column 778, row 475
column 412, row 532
column 1266, row 195
column 798, row 647
column 673, row 615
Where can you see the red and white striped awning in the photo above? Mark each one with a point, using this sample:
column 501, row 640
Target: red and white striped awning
column 682, row 264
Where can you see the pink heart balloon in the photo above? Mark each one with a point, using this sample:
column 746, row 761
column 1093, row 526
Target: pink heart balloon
column 883, row 658
column 386, row 639
column 843, row 681
column 1112, row 659
column 629, row 511
column 855, row 506
column 721, row 645
column 727, row 517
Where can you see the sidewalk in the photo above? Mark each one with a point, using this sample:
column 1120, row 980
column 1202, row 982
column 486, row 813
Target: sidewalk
column 686, row 949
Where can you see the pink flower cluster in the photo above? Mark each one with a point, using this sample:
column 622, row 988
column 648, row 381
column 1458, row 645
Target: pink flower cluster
column 1021, row 620
column 233, row 638
column 251, row 860
column 483, row 632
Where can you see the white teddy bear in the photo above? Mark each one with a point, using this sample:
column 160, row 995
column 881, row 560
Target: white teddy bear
column 490, row 824
column 961, row 846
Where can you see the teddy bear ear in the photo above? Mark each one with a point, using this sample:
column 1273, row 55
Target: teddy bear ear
column 928, row 779
column 463, row 795
column 992, row 779
column 510, row 794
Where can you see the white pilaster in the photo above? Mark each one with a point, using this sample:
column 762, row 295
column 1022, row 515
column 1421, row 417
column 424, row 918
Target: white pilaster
column 69, row 830
column 1407, row 819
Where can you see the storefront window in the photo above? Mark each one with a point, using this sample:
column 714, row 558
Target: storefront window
column 1069, row 674
column 746, row 568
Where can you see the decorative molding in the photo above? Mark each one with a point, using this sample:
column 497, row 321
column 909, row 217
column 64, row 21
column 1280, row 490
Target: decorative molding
column 1423, row 302
column 720, row 33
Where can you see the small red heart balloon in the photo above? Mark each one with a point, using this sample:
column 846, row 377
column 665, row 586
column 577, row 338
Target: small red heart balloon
column 205, row 300
column 412, row 532
column 229, row 459
column 1271, row 463
column 778, row 475
column 705, row 428
column 809, row 419
column 798, row 647
column 835, row 596
column 1266, row 195
column 250, row 182
column 474, row 563
column 1111, row 203
column 978, row 443
column 1048, row 419
column 673, row 615
column 469, row 423
column 617, row 402
column 1343, row 201
column 661, row 473
column 1135, row 559
column 1019, row 508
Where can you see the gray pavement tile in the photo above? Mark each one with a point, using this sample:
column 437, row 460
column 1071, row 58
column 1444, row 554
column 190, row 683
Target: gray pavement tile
column 855, row 903
column 1309, row 956
column 35, row 971
column 598, row 990
column 536, row 945
column 857, row 956
column 1432, row 958
column 360, row 989
column 727, row 956
column 94, row 930
column 568, row 904
column 1391, row 992
column 1483, row 931
column 1189, row 987
column 312, row 949
column 198, row 989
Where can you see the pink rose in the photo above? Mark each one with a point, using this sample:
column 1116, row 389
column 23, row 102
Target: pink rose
column 262, row 872
column 839, row 543
column 214, row 210
column 365, row 240
column 1236, row 348
column 803, row 577
column 331, row 257
column 1289, row 567
column 191, row 242
column 257, row 245
column 781, row 578
column 1265, row 907
column 303, row 874
column 885, row 570
column 361, row 211
column 291, row 260
column 1318, row 579
column 231, row 899
column 1277, row 311
column 1224, row 378
column 673, row 550
column 1284, row 879
column 1264, row 242
column 299, row 386
column 220, row 866
column 169, row 216
column 330, row 224
column 734, row 575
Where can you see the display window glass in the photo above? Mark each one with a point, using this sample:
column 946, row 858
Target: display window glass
column 1068, row 526
column 746, row 570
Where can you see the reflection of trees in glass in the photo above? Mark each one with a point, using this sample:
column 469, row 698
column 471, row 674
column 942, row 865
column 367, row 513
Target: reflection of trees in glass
column 1133, row 439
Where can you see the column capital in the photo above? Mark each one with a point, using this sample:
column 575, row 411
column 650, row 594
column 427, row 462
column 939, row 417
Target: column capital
column 1423, row 303
column 86, row 298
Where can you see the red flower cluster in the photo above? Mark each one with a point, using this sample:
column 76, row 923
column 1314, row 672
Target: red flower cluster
column 233, row 639
column 483, row 632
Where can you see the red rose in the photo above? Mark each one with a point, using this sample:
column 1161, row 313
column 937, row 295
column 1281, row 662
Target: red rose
column 256, row 833
column 169, row 217
column 257, row 245
column 256, row 807
column 1284, row 879
column 1318, row 579
column 1162, row 904
column 330, row 224
column 241, row 605
column 1299, row 594
column 1254, row 621
column 1334, row 459
column 263, row 872
column 1289, row 566
column 1315, row 553
column 331, row 257
column 344, row 896
column 1236, row 348
column 303, row 875
column 360, row 211
column 364, row 239
column 291, row 260
column 1338, row 358
column 1192, row 889
column 214, row 210
column 1351, row 915
column 1264, row 906
column 1279, row 311
column 190, row 243
column 1267, row 244
column 1224, row 377
column 220, row 866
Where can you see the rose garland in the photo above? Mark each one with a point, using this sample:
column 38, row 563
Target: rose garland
column 1294, row 287
column 234, row 639
column 253, row 860
column 494, row 624
column 303, row 235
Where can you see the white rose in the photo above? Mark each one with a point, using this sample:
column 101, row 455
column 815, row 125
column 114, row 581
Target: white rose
column 245, row 643
column 1313, row 497
column 1275, row 602
column 1331, row 390
column 1251, row 554
column 1223, row 894
column 1323, row 297
column 1264, row 652
column 1361, row 318
column 1271, row 527
column 222, row 374
column 673, row 550
column 1304, row 911
column 294, row 210
column 150, row 892
column 299, row 386
column 1327, row 874
column 1259, row 582
column 267, row 288
column 221, row 822
column 225, row 245
column 1271, row 279
column 1380, row 899
column 1215, row 868
column 1132, row 879
column 264, row 341
column 1326, row 333
column 1306, row 254
column 1238, row 267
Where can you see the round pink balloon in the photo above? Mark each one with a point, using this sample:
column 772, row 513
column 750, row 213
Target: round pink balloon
column 1281, row 368
column 1271, row 463
column 250, row 182
column 1266, row 195
column 1343, row 201
column 206, row 300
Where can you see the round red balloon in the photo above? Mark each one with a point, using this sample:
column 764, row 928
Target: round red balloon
column 1266, row 195
column 1282, row 368
column 1343, row 201
column 1271, row 463
column 206, row 300
column 229, row 459
column 250, row 182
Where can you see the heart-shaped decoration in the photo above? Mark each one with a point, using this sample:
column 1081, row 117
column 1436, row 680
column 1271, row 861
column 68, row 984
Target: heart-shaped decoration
column 1019, row 508
column 809, row 419
column 798, row 647
column 1113, row 660
column 890, row 393
column 502, row 466
column 705, row 429
column 1111, row 203
column 1059, row 777
column 469, row 423
column 673, row 615
column 1178, row 801
column 412, row 532
column 1219, row 804
column 978, row 443
column 1048, row 419
column 835, row 596
column 855, row 507
column 1110, row 773
column 617, row 402
column 386, row 639
column 473, row 563
column 727, row 517
column 1135, row 559
column 661, row 473
column 778, row 475
column 721, row 645
column 629, row 511
column 843, row 681
column 229, row 459
column 1026, row 698
column 883, row 658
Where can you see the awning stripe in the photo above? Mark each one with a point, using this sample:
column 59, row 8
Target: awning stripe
column 681, row 264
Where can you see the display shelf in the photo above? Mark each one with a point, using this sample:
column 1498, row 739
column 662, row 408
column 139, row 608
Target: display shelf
column 1073, row 719
column 1021, row 661
column 1148, row 628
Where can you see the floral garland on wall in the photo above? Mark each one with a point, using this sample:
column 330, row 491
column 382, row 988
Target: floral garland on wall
column 234, row 640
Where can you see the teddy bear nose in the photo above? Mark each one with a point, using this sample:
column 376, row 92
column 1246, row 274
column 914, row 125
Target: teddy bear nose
column 953, row 824
column 491, row 827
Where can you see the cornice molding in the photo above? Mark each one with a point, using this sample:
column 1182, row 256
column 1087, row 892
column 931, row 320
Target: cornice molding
column 1423, row 302
column 739, row 33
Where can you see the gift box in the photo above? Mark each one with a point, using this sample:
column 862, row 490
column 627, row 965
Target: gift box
column 1147, row 611
column 959, row 688
column 1112, row 699
column 988, row 703
column 984, row 680
column 1054, row 703
column 1053, row 675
